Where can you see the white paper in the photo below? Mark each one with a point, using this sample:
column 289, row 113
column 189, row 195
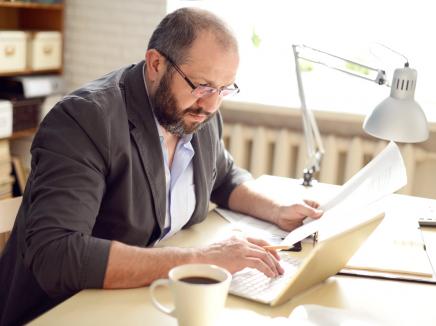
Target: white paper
column 397, row 245
column 384, row 175
column 253, row 226
column 302, row 232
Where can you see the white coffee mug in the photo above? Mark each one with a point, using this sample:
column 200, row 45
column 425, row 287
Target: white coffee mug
column 199, row 293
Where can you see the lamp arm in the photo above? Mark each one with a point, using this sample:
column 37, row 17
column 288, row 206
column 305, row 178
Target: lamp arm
column 335, row 62
column 314, row 146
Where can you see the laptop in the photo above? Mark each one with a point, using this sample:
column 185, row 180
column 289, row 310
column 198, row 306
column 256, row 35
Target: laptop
column 327, row 258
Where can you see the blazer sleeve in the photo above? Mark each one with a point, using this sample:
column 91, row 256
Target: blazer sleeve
column 67, row 182
column 228, row 174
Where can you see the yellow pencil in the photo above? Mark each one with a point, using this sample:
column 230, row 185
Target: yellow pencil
column 276, row 247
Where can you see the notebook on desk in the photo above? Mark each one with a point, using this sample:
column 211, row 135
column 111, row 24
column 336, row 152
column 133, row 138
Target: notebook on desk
column 327, row 258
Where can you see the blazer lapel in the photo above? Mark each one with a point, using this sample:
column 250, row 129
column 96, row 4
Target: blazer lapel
column 200, row 176
column 146, row 137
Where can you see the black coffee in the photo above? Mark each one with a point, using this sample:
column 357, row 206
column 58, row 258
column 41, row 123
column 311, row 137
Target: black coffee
column 199, row 280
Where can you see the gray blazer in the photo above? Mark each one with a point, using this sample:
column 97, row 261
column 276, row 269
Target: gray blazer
column 97, row 175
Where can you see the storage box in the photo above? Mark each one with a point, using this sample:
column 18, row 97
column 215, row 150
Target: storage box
column 45, row 51
column 12, row 51
column 5, row 119
column 30, row 86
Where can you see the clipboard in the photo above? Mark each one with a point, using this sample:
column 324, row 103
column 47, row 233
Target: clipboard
column 387, row 276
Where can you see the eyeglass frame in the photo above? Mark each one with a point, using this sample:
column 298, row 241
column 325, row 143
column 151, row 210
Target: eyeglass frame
column 208, row 89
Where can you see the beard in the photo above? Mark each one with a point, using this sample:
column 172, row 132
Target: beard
column 169, row 116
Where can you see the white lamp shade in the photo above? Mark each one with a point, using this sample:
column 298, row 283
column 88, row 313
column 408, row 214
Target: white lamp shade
column 397, row 120
column 399, row 117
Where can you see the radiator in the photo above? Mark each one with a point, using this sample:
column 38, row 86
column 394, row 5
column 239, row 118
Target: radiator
column 282, row 152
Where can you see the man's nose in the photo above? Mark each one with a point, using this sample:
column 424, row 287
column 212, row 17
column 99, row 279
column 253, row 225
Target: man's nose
column 210, row 103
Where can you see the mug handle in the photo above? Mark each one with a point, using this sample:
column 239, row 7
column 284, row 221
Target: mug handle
column 156, row 303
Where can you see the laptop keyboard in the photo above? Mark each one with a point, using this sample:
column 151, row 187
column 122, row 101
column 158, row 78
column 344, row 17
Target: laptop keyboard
column 252, row 284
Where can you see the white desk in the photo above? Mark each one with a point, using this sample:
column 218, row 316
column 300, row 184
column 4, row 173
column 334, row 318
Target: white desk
column 393, row 302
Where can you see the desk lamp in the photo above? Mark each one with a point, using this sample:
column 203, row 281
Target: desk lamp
column 398, row 118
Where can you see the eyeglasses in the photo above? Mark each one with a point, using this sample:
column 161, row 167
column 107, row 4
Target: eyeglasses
column 202, row 90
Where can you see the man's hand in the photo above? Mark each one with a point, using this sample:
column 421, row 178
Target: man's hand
column 291, row 216
column 247, row 198
column 235, row 254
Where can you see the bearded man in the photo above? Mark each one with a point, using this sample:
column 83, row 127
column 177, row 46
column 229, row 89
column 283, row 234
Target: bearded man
column 131, row 159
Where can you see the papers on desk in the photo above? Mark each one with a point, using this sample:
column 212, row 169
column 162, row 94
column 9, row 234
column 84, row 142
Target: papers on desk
column 394, row 250
column 253, row 227
column 384, row 175
column 387, row 255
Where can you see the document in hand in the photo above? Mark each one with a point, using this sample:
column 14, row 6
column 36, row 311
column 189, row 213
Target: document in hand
column 384, row 175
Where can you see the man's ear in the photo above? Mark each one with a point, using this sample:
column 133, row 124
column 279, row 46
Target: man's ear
column 155, row 65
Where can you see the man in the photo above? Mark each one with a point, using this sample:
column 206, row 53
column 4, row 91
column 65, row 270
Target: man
column 128, row 160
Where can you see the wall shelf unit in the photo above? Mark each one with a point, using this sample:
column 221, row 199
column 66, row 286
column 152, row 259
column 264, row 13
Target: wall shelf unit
column 28, row 17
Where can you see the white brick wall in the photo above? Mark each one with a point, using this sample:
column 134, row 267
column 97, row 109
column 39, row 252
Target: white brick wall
column 102, row 35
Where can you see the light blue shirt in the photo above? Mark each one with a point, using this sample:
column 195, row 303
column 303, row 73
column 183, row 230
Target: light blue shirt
column 180, row 189
column 179, row 182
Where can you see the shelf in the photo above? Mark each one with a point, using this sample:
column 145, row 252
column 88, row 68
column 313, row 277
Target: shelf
column 31, row 16
column 22, row 134
column 29, row 5
column 30, row 72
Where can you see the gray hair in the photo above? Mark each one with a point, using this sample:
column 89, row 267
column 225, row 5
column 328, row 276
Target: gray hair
column 178, row 30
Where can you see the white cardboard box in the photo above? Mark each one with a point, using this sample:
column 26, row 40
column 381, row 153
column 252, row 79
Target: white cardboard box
column 12, row 51
column 45, row 51
column 5, row 119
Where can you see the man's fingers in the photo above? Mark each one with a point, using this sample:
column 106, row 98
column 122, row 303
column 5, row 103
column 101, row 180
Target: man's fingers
column 263, row 243
column 261, row 266
column 311, row 203
column 236, row 254
column 259, row 242
column 273, row 255
column 267, row 258
column 309, row 211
